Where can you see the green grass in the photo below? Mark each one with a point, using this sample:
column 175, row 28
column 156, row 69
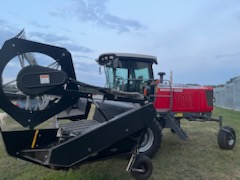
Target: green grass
column 197, row 158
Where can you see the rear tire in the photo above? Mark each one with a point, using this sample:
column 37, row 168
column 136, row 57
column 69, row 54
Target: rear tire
column 152, row 140
column 226, row 138
column 142, row 167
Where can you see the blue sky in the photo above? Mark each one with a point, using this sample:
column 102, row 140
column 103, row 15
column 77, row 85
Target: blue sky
column 198, row 40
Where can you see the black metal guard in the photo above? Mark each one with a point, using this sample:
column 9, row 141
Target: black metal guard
column 27, row 118
column 99, row 141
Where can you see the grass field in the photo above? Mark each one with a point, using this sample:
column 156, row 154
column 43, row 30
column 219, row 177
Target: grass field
column 197, row 158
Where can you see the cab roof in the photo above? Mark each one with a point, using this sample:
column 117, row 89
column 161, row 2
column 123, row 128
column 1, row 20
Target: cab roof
column 103, row 58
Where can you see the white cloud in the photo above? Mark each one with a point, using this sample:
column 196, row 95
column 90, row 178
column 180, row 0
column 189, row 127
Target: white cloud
column 95, row 11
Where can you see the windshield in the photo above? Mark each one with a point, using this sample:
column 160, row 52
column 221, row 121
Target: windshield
column 128, row 76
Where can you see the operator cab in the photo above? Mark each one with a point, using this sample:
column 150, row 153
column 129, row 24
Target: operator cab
column 127, row 72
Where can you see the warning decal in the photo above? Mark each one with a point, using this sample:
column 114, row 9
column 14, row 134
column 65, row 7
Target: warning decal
column 44, row 79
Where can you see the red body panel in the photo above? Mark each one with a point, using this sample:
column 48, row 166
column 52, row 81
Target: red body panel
column 185, row 98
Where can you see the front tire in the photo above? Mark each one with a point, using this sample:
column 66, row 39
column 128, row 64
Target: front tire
column 142, row 167
column 152, row 140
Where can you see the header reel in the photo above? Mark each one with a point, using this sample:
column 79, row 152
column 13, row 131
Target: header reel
column 32, row 82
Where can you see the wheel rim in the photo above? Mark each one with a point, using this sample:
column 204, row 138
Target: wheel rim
column 143, row 168
column 231, row 141
column 147, row 141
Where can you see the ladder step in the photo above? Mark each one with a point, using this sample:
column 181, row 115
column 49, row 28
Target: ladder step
column 175, row 126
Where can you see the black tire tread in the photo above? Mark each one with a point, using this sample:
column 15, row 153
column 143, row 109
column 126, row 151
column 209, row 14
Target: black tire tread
column 223, row 138
column 140, row 160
